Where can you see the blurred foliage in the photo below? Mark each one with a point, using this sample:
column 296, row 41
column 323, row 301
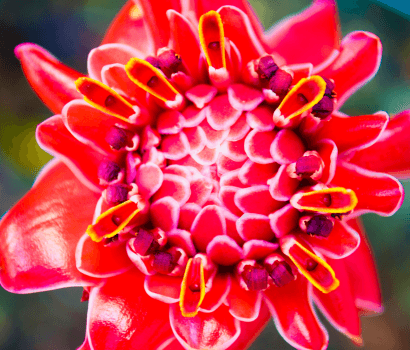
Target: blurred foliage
column 69, row 29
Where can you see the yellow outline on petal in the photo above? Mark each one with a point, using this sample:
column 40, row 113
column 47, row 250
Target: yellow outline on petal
column 329, row 210
column 79, row 81
column 132, row 62
column 322, row 85
column 94, row 236
column 307, row 274
column 184, row 287
column 218, row 18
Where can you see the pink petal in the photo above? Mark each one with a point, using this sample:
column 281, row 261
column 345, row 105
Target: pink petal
column 196, row 138
column 234, row 150
column 175, row 186
column 182, row 239
column 149, row 179
column 257, row 174
column 165, row 213
column 201, row 94
column 193, row 116
column 221, row 285
column 207, row 156
column 231, row 179
column 209, row 223
column 45, row 215
column 231, row 230
column 214, row 137
column 163, row 287
column 225, row 164
column 282, row 187
column 187, row 215
column 243, row 97
column 358, row 61
column 175, row 146
column 287, row 147
column 99, row 260
column 261, row 118
column 315, row 32
column 257, row 146
column 223, row 250
column 201, row 188
column 239, row 129
column 256, row 199
column 122, row 316
column 179, row 170
column 227, row 196
column 256, row 249
column 254, row 226
column 328, row 152
column 221, row 114
column 170, row 122
column 284, row 220
column 216, row 330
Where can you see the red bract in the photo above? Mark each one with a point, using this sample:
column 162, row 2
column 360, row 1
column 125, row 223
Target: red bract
column 205, row 180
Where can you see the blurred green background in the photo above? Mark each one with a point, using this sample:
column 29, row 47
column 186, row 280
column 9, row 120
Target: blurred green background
column 70, row 29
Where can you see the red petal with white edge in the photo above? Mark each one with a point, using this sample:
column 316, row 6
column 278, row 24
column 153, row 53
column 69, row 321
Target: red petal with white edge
column 184, row 41
column 207, row 156
column 256, row 199
column 128, row 28
column 50, row 79
column 174, row 186
column 165, row 213
column 213, row 331
column 282, row 187
column 358, row 61
column 231, row 230
column 315, row 32
column 187, row 215
column 261, row 118
column 238, row 28
column 89, row 125
column 234, row 150
column 363, row 274
column 257, row 174
column 149, row 179
column 243, row 97
column 300, row 327
column 225, row 164
column 221, row 286
column 231, row 179
column 100, row 260
column 376, row 192
column 170, row 122
column 342, row 241
column 243, row 305
column 55, row 139
column 284, row 220
column 196, row 138
column 287, row 147
column 175, row 146
column 40, row 233
column 338, row 306
column 328, row 152
column 224, row 251
column 214, row 137
column 227, row 196
column 201, row 94
column 109, row 54
column 201, row 188
column 182, row 239
column 254, row 226
column 156, row 20
column 239, row 129
column 353, row 133
column 209, row 223
column 220, row 113
column 390, row 153
column 256, row 249
column 193, row 116
column 122, row 316
column 163, row 287
column 257, row 146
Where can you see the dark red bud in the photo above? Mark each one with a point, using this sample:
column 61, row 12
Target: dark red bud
column 163, row 262
column 116, row 194
column 266, row 68
column 329, row 87
column 169, row 62
column 281, row 273
column 280, row 82
column 256, row 278
column 153, row 61
column 307, row 165
column 323, row 108
column 319, row 225
column 108, row 171
column 144, row 243
column 116, row 138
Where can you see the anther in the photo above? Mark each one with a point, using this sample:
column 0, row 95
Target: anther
column 194, row 283
column 153, row 61
column 169, row 62
column 307, row 165
column 281, row 273
column 163, row 262
column 214, row 46
column 145, row 243
column 310, row 264
column 280, row 82
column 108, row 241
column 329, row 87
column 319, row 225
column 108, row 171
column 323, row 108
column 152, row 82
column 266, row 68
column 116, row 194
column 109, row 101
column 327, row 200
column 116, row 138
column 256, row 278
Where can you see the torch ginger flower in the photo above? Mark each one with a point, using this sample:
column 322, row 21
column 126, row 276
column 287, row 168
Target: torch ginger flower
column 205, row 180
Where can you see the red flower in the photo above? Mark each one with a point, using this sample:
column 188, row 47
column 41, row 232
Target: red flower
column 207, row 180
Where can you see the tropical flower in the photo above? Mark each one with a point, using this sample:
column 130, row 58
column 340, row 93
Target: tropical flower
column 204, row 179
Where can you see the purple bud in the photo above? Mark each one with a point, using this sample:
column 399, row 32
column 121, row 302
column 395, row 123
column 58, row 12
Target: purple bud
column 307, row 165
column 163, row 262
column 169, row 62
column 108, row 171
column 266, row 68
column 116, row 138
column 280, row 82
column 256, row 278
column 319, row 225
column 145, row 243
column 329, row 87
column 116, row 194
column 281, row 273
column 323, row 108
column 153, row 61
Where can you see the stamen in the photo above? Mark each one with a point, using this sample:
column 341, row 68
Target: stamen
column 108, row 241
column 108, row 171
column 323, row 108
column 315, row 269
column 115, row 219
column 149, row 78
column 116, row 194
column 104, row 98
column 117, row 138
column 153, row 61
column 169, row 62
column 145, row 243
column 307, row 165
column 312, row 89
column 281, row 273
column 329, row 87
column 280, row 82
column 192, row 288
column 256, row 278
column 319, row 225
column 211, row 36
column 329, row 200
column 266, row 68
column 163, row 262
